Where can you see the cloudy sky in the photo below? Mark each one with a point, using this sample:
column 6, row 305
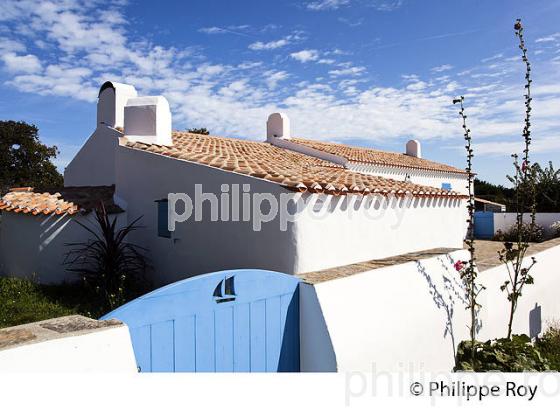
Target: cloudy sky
column 367, row 72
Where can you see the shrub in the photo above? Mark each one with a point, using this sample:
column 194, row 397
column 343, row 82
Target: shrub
column 555, row 228
column 517, row 354
column 24, row 301
column 549, row 347
column 511, row 235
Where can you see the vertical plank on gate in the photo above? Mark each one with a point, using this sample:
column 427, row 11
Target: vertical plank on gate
column 142, row 346
column 185, row 351
column 224, row 339
column 289, row 355
column 163, row 347
column 205, row 358
column 258, row 336
column 287, row 352
column 273, row 335
column 241, row 338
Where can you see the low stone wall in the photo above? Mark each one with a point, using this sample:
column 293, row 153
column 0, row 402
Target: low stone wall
column 67, row 344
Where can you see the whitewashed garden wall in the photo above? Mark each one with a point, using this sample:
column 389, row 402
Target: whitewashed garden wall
column 505, row 220
column 412, row 316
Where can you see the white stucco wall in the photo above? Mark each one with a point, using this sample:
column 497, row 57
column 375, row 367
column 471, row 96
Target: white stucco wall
column 308, row 244
column 395, row 318
column 105, row 350
column 357, row 228
column 34, row 247
column 94, row 164
column 505, row 220
column 417, row 176
column 197, row 247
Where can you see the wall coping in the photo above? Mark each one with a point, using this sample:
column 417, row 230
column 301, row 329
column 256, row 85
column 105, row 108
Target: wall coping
column 50, row 329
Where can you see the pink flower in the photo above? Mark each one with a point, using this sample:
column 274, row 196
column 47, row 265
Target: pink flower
column 459, row 265
column 524, row 166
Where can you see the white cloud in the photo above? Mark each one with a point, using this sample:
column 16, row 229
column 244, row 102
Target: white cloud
column 441, row 68
column 212, row 30
column 491, row 58
column 351, row 71
column 417, row 85
column 272, row 78
column 350, row 22
column 548, row 39
column 247, row 65
column 7, row 45
column 236, row 99
column 304, row 56
column 326, row 4
column 272, row 45
column 386, row 5
column 380, row 5
column 237, row 30
column 21, row 63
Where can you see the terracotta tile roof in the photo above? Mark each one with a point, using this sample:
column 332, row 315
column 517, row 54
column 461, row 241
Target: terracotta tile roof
column 377, row 157
column 290, row 169
column 67, row 200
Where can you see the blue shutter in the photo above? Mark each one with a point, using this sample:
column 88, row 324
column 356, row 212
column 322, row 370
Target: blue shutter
column 446, row 186
column 162, row 216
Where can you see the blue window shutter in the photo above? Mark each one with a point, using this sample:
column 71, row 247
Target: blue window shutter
column 162, row 216
column 446, row 186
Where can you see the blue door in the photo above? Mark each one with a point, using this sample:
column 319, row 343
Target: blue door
column 484, row 225
column 229, row 321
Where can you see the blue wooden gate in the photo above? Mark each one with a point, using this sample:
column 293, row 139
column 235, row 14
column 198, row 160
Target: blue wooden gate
column 229, row 321
column 484, row 225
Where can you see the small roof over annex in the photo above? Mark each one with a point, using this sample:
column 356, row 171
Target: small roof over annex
column 67, row 200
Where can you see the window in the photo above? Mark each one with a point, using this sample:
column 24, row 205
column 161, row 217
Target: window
column 162, row 217
column 446, row 186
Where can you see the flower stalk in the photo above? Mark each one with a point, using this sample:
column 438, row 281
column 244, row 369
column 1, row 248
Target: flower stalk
column 513, row 253
column 467, row 269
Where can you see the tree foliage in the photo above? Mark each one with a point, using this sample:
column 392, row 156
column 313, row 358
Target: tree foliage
column 548, row 188
column 547, row 185
column 24, row 160
column 202, row 131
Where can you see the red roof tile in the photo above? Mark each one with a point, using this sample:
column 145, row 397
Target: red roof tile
column 284, row 167
column 377, row 157
column 67, row 200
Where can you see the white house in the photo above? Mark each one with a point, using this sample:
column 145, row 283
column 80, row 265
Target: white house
column 285, row 203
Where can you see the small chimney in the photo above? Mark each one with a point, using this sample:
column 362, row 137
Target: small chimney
column 111, row 101
column 414, row 149
column 148, row 120
column 277, row 126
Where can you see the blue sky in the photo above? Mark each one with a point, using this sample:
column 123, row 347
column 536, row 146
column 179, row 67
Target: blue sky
column 367, row 72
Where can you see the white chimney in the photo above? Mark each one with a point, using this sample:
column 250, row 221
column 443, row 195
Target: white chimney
column 414, row 149
column 277, row 126
column 148, row 120
column 111, row 101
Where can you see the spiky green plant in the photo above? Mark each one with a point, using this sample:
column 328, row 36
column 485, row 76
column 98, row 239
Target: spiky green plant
column 108, row 263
